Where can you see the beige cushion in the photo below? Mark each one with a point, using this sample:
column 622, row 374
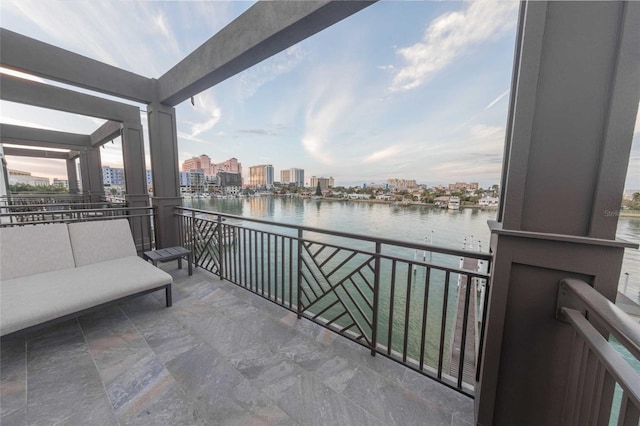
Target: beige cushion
column 35, row 299
column 33, row 249
column 97, row 241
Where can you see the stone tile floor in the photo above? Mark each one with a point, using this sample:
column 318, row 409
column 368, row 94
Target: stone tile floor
column 219, row 356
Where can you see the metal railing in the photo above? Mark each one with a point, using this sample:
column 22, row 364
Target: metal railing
column 426, row 314
column 140, row 219
column 603, row 387
column 26, row 198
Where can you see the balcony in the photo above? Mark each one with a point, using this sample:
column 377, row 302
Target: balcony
column 573, row 104
column 220, row 355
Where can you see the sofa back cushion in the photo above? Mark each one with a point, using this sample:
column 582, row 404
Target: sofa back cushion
column 97, row 241
column 34, row 249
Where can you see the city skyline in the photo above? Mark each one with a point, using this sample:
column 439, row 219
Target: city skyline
column 411, row 90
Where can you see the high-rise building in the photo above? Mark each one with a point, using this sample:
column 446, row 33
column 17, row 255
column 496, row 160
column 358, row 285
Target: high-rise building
column 261, row 176
column 203, row 162
column 292, row 176
column 325, row 183
column 401, row 184
column 285, row 176
column 231, row 166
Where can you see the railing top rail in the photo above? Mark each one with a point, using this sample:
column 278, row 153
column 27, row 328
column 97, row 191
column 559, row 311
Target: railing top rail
column 608, row 315
column 75, row 211
column 617, row 366
column 388, row 241
column 60, row 204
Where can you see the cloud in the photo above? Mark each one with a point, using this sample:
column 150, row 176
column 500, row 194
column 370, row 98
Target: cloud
column 270, row 69
column 260, row 132
column 328, row 104
column 384, row 154
column 450, row 36
column 321, row 118
column 498, row 99
column 206, row 107
column 126, row 46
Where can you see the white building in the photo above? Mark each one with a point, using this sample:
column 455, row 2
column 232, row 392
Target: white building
column 20, row 177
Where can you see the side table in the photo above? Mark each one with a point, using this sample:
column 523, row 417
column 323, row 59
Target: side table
column 170, row 253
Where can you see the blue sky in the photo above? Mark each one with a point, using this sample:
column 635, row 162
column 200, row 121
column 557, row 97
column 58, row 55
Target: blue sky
column 412, row 89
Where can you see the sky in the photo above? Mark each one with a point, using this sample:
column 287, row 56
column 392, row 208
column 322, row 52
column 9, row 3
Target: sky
column 403, row 89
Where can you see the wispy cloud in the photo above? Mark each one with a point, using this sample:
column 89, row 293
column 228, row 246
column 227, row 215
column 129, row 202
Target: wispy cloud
column 104, row 38
column 498, row 99
column 450, row 36
column 206, row 107
column 321, row 118
column 384, row 154
column 258, row 132
column 254, row 78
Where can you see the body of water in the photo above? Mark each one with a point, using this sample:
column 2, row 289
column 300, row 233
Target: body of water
column 450, row 228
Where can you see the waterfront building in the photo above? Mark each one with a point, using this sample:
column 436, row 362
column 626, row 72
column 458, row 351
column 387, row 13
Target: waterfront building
column 115, row 176
column 231, row 166
column 325, row 183
column 292, row 176
column 20, row 177
column 62, row 183
column 203, row 162
column 261, row 176
column 401, row 184
column 463, row 186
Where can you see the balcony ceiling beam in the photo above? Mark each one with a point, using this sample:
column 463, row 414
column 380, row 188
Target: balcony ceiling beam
column 268, row 27
column 29, row 136
column 41, row 59
column 106, row 133
column 37, row 153
column 15, row 89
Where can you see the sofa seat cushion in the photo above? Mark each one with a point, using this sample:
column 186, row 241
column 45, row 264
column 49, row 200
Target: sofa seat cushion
column 34, row 299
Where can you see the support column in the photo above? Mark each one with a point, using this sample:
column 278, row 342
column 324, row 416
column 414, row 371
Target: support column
column 96, row 184
column 163, row 146
column 136, row 180
column 84, row 173
column 72, row 176
column 574, row 99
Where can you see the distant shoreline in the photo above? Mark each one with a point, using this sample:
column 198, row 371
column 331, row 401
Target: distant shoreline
column 635, row 215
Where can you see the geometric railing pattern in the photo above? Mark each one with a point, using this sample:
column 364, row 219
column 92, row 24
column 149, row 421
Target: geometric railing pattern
column 426, row 314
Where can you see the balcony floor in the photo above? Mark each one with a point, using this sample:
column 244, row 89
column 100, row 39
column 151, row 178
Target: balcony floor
column 220, row 355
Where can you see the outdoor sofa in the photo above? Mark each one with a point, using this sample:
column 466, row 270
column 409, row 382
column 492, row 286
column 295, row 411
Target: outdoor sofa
column 56, row 271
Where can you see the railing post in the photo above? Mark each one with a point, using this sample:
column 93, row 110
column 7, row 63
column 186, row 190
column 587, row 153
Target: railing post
column 376, row 291
column 193, row 235
column 220, row 269
column 299, row 285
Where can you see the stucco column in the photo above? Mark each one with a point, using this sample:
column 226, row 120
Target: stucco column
column 163, row 146
column 72, row 176
column 94, row 171
column 84, row 172
column 574, row 99
column 136, row 180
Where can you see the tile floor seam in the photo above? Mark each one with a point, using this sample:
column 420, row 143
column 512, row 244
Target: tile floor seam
column 95, row 364
column 164, row 365
column 193, row 399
